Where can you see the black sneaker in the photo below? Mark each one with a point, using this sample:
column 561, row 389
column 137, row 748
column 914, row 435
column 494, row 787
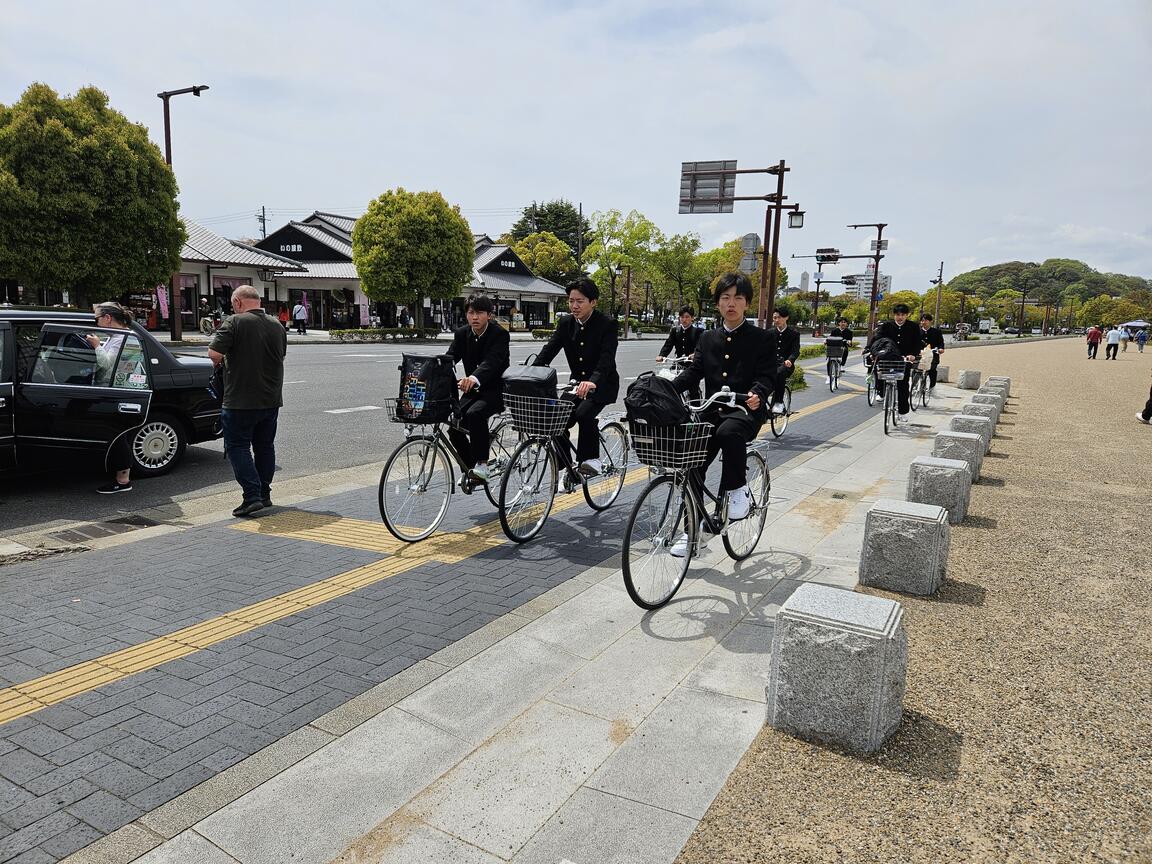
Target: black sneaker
column 248, row 508
column 267, row 502
column 114, row 487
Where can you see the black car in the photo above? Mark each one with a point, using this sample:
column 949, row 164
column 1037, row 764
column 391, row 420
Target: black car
column 63, row 401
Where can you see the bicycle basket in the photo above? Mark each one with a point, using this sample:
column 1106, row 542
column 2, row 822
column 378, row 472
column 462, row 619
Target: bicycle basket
column 834, row 352
column 675, row 447
column 890, row 370
column 415, row 411
column 532, row 415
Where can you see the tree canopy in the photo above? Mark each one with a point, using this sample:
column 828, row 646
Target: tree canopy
column 546, row 255
column 619, row 240
column 412, row 245
column 558, row 218
column 87, row 203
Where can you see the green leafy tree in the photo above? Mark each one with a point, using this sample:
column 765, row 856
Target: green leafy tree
column 726, row 259
column 87, row 203
column 676, row 263
column 558, row 218
column 909, row 298
column 619, row 240
column 412, row 245
column 546, row 255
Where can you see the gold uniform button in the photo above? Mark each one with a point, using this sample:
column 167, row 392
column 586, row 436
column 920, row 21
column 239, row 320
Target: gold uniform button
column 725, row 356
column 729, row 339
column 723, row 374
column 581, row 344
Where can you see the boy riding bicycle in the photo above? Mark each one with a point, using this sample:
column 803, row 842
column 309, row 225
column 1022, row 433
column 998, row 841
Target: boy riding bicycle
column 482, row 346
column 908, row 340
column 840, row 335
column 933, row 339
column 588, row 339
column 736, row 355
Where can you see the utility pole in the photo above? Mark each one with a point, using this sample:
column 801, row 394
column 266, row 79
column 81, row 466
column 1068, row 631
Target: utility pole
column 939, row 287
column 262, row 218
column 879, row 226
column 580, row 238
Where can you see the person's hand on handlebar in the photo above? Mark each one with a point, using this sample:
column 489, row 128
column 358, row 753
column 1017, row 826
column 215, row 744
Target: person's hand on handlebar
column 584, row 388
column 466, row 384
column 753, row 401
column 660, row 359
column 912, row 358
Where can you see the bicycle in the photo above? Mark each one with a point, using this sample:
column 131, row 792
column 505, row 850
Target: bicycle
column 417, row 482
column 918, row 385
column 671, row 505
column 890, row 372
column 835, row 355
column 528, row 486
column 779, row 422
column 870, row 380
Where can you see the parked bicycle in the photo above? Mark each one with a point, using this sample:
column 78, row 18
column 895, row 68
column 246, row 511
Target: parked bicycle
column 674, row 506
column 529, row 484
column 418, row 480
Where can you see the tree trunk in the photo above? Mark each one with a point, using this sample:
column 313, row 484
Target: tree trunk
column 418, row 312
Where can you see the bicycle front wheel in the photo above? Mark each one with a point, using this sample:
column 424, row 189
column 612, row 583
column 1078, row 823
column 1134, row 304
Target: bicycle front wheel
column 504, row 439
column 741, row 537
column 889, row 405
column 871, row 390
column 914, row 389
column 661, row 516
column 780, row 421
column 833, row 376
column 924, row 390
column 415, row 487
column 527, row 490
column 602, row 491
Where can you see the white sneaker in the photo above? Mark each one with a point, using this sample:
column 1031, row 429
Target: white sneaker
column 680, row 548
column 777, row 407
column 481, row 472
column 827, row 379
column 1140, row 419
column 591, row 467
column 738, row 504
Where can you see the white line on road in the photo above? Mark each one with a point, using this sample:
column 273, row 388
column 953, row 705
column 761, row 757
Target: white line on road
column 351, row 410
column 301, row 381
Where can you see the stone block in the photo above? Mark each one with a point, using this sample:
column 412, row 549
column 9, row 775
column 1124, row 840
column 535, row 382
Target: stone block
column 968, row 379
column 1001, row 379
column 905, row 547
column 945, row 483
column 989, row 399
column 982, row 426
column 994, row 389
column 838, row 669
column 978, row 409
column 965, row 446
column 941, row 374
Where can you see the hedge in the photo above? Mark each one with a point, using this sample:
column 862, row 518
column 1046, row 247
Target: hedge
column 383, row 334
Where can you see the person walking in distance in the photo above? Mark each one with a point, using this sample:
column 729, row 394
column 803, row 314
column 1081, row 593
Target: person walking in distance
column 482, row 346
column 251, row 344
column 119, row 459
column 784, row 350
column 1141, row 338
column 1124, row 337
column 1113, row 339
column 933, row 339
column 300, row 318
column 1093, row 337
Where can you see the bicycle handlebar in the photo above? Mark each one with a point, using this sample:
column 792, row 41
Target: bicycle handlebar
column 723, row 396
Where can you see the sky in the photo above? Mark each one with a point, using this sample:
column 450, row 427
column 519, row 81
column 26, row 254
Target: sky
column 979, row 131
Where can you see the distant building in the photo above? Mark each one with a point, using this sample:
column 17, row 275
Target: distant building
column 862, row 290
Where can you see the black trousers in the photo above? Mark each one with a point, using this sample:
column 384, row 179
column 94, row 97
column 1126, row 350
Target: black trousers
column 733, row 432
column 1110, row 351
column 120, row 453
column 932, row 369
column 473, row 443
column 783, row 373
column 583, row 416
column 1093, row 347
column 1147, row 412
column 901, row 391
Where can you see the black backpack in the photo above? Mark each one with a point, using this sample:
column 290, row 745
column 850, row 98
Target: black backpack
column 655, row 400
column 884, row 348
column 427, row 388
column 537, row 381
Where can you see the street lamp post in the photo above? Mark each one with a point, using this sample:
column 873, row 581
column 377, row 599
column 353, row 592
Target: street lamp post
column 1020, row 323
column 879, row 226
column 939, row 283
column 626, row 269
column 174, row 319
column 647, row 295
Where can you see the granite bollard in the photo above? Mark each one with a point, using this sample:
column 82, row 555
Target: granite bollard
column 968, row 379
column 989, row 399
column 965, row 446
column 995, row 389
column 982, row 426
column 945, row 483
column 941, row 374
column 905, row 547
column 838, row 669
column 1001, row 379
column 978, row 409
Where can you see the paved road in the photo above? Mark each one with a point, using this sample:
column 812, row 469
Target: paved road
column 320, row 379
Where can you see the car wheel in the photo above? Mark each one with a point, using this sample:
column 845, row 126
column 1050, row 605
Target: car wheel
column 157, row 446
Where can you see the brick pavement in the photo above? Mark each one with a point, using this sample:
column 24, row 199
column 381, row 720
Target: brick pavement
column 77, row 770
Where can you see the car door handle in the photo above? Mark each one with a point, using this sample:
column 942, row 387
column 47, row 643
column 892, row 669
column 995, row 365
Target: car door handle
column 129, row 408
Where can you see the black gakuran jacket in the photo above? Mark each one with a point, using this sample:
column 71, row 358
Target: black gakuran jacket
column 591, row 353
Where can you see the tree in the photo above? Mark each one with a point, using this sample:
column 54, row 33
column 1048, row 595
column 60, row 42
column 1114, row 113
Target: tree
column 726, row 259
column 412, row 245
column 909, row 298
column 675, row 260
column 87, row 203
column 619, row 240
column 558, row 218
column 546, row 255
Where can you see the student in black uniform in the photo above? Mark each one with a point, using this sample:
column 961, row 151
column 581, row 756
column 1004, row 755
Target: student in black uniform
column 735, row 354
column 933, row 339
column 683, row 338
column 482, row 346
column 784, row 348
column 588, row 339
column 841, row 334
column 908, row 339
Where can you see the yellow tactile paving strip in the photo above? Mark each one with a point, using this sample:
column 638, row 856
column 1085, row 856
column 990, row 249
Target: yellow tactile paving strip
column 29, row 697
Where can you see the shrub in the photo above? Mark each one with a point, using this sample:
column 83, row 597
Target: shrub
column 383, row 334
column 542, row 333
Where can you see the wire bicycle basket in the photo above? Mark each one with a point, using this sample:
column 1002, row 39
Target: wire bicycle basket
column 834, row 352
column 537, row 416
column 673, row 447
column 411, row 410
column 890, row 370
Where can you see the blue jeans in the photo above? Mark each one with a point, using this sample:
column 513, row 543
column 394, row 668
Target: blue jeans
column 248, row 432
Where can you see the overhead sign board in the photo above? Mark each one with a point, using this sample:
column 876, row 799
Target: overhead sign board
column 750, row 243
column 879, row 246
column 707, row 187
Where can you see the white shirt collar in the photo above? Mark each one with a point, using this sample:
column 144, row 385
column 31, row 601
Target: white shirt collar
column 481, row 333
column 733, row 329
column 586, row 318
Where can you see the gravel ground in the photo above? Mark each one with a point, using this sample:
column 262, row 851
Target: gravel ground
column 1027, row 733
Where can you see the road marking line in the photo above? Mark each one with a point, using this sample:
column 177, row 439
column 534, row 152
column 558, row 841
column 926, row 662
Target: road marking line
column 353, row 410
column 20, row 700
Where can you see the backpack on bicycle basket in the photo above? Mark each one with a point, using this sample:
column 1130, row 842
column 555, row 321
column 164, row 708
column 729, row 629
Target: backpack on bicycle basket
column 427, row 388
column 655, row 400
column 535, row 381
column 884, row 348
